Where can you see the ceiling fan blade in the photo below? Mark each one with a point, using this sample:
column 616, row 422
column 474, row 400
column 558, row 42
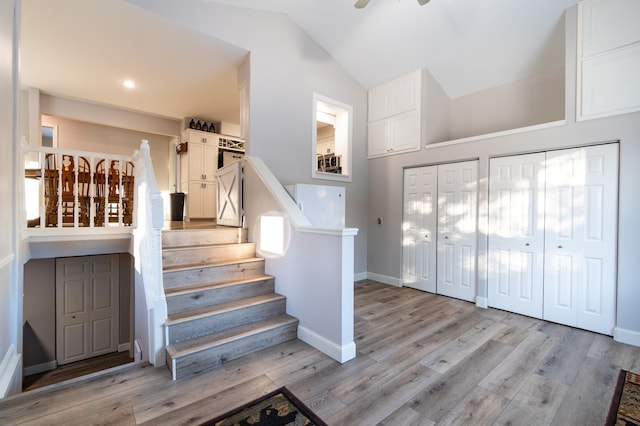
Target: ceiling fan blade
column 361, row 3
column 423, row 2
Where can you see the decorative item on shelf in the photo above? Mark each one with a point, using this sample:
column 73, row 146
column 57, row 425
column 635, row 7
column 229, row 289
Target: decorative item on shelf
column 181, row 148
column 212, row 128
column 198, row 125
column 192, row 124
column 205, row 128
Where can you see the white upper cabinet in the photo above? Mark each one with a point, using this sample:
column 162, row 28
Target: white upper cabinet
column 395, row 115
column 608, row 58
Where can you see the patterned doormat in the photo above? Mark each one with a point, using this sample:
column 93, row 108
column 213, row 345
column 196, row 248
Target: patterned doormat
column 278, row 408
column 625, row 405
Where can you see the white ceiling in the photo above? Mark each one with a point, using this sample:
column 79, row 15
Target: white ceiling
column 85, row 48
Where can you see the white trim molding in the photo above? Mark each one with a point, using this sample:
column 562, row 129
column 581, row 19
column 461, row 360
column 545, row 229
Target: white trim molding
column 10, row 373
column 40, row 368
column 360, row 276
column 341, row 354
column 396, row 282
column 629, row 337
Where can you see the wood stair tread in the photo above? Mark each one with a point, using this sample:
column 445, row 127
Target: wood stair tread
column 203, row 246
column 201, row 343
column 178, row 291
column 191, row 266
column 206, row 311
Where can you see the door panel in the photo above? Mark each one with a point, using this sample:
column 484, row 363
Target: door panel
column 87, row 307
column 419, row 228
column 229, row 193
column 516, row 233
column 457, row 213
column 580, row 249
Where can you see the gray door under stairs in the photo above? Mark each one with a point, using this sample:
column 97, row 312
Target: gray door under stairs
column 221, row 305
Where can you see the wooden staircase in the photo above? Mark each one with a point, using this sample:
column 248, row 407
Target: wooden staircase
column 220, row 303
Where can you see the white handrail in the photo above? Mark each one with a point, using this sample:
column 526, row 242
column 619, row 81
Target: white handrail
column 151, row 306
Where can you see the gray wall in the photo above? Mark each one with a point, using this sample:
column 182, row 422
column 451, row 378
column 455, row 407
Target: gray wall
column 286, row 68
column 385, row 188
column 39, row 326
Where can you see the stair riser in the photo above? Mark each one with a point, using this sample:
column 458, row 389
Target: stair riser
column 219, row 322
column 185, row 238
column 223, row 294
column 192, row 364
column 176, row 279
column 207, row 254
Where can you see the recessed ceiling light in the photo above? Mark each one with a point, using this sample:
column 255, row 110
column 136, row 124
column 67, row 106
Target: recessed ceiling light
column 129, row 84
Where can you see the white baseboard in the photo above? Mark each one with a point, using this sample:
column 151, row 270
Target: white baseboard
column 124, row 347
column 360, row 276
column 630, row 337
column 40, row 368
column 137, row 351
column 10, row 373
column 396, row 282
column 341, row 354
column 482, row 302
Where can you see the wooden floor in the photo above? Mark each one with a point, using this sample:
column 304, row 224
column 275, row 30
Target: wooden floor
column 75, row 370
column 422, row 359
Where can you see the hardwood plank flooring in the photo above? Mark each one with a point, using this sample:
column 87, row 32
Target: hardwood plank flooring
column 422, row 360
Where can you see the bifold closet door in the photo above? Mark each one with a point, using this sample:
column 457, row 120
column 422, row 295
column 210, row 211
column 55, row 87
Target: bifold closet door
column 87, row 307
column 516, row 233
column 419, row 228
column 457, row 213
column 581, row 237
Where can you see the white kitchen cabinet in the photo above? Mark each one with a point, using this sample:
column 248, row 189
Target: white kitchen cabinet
column 608, row 58
column 552, row 235
column 395, row 116
column 198, row 166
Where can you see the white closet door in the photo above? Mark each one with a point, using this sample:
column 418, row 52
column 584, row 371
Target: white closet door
column 419, row 228
column 580, row 239
column 516, row 233
column 457, row 241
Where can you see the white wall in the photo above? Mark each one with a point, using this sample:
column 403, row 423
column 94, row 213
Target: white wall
column 286, row 68
column 10, row 309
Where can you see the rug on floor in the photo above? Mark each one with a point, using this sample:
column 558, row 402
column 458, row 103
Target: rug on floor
column 625, row 405
column 278, row 408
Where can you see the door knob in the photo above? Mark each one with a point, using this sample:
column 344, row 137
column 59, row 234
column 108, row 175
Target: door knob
column 559, row 246
column 527, row 244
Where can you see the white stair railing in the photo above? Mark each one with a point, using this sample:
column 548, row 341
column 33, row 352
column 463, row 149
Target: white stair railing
column 151, row 306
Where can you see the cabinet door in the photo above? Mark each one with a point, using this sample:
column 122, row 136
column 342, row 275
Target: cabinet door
column 379, row 137
column 405, row 132
column 457, row 212
column 195, row 156
column 406, row 92
column 580, row 237
column 380, row 101
column 194, row 200
column 209, row 192
column 516, row 233
column 209, row 162
column 419, row 228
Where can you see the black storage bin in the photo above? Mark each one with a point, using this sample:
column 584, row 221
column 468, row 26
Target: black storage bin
column 177, row 206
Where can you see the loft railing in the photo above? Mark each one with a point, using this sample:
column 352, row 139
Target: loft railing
column 77, row 189
column 151, row 306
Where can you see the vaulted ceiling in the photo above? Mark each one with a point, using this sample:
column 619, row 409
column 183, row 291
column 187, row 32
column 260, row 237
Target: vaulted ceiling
column 84, row 48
